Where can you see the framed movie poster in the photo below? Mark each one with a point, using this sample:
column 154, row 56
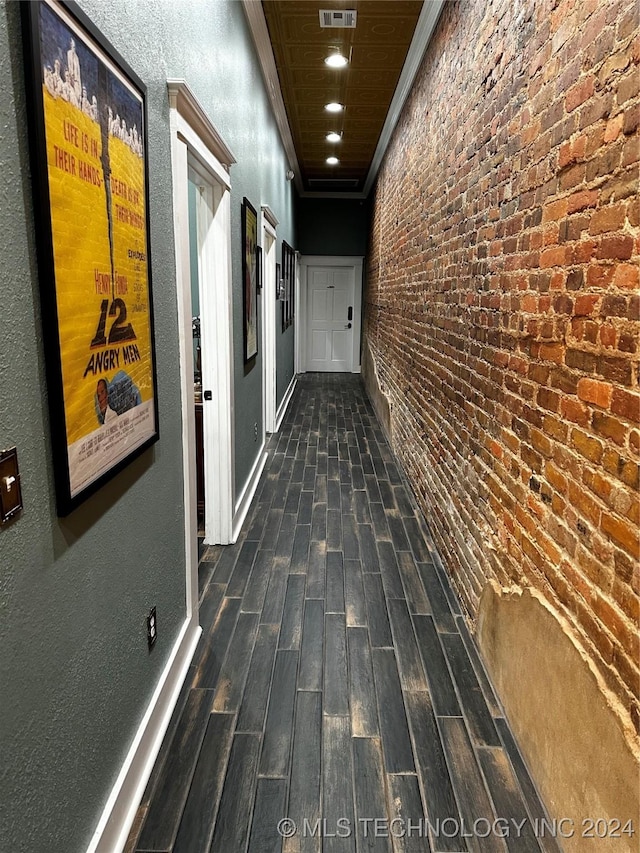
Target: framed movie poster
column 250, row 280
column 89, row 159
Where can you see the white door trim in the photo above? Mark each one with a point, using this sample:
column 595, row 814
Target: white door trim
column 196, row 144
column 306, row 261
column 268, row 232
column 191, row 134
column 214, row 273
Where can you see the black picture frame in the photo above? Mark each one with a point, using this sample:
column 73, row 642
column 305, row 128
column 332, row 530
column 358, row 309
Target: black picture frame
column 89, row 156
column 249, row 280
column 259, row 269
column 288, row 275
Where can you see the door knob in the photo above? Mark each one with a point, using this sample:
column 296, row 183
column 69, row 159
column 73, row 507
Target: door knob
column 348, row 326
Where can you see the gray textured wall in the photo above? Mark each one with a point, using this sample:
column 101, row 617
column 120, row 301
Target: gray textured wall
column 75, row 673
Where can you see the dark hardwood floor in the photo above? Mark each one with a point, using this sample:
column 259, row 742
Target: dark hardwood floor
column 335, row 684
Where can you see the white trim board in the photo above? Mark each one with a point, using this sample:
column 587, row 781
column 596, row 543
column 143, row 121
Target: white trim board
column 282, row 408
column 249, row 490
column 268, row 311
column 189, row 107
column 260, row 34
column 121, row 807
column 197, row 148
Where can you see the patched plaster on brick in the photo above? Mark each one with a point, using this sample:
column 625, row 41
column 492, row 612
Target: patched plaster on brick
column 580, row 745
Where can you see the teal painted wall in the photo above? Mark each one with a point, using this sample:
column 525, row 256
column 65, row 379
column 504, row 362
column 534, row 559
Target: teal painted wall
column 75, row 673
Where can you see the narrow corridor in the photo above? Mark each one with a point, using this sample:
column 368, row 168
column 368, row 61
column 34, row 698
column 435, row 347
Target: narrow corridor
column 335, row 683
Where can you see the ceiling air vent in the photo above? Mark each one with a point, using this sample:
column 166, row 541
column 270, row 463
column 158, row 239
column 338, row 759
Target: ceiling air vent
column 344, row 18
column 334, row 183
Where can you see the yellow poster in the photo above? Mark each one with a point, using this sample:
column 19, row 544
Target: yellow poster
column 95, row 161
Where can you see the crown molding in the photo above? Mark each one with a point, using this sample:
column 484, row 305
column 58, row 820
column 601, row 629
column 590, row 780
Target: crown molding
column 427, row 21
column 260, row 34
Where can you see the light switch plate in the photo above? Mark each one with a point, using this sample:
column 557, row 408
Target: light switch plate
column 10, row 491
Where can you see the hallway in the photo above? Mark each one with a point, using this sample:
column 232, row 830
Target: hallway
column 335, row 682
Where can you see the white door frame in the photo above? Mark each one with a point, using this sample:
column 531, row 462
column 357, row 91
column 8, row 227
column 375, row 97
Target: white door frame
column 192, row 138
column 306, row 261
column 268, row 231
column 195, row 143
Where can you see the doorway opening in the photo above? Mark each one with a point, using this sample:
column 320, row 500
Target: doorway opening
column 330, row 314
column 202, row 215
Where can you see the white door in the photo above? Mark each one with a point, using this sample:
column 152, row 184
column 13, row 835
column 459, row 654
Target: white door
column 330, row 306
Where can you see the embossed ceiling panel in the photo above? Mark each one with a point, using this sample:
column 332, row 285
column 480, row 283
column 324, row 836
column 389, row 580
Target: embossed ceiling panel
column 377, row 49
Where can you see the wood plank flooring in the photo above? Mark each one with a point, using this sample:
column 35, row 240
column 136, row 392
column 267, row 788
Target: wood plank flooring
column 335, row 684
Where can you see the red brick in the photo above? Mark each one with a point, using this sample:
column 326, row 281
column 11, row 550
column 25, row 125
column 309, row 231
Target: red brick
column 555, row 428
column 583, row 252
column 552, row 352
column 579, row 93
column 585, row 305
column 609, row 218
column 608, row 336
column 583, row 503
column 626, row 404
column 575, row 411
column 553, row 257
column 550, row 287
column 555, row 210
column 619, row 246
column 631, row 119
column 588, row 447
column 631, row 153
column 581, row 200
column 548, row 399
column 626, row 276
column 614, row 128
column 623, row 534
column 609, row 427
column 623, row 469
column 628, row 87
column 592, row 391
column 565, row 156
column 600, row 275
column 541, row 443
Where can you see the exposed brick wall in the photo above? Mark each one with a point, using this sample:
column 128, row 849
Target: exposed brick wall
column 501, row 307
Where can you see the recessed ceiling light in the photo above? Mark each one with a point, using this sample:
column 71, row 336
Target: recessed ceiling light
column 334, row 107
column 332, row 161
column 333, row 137
column 336, row 60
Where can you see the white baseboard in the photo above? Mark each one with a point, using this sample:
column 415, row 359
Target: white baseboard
column 121, row 807
column 244, row 501
column 282, row 408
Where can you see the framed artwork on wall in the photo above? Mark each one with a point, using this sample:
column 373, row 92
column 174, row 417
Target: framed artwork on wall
column 259, row 269
column 88, row 139
column 288, row 275
column 250, row 280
